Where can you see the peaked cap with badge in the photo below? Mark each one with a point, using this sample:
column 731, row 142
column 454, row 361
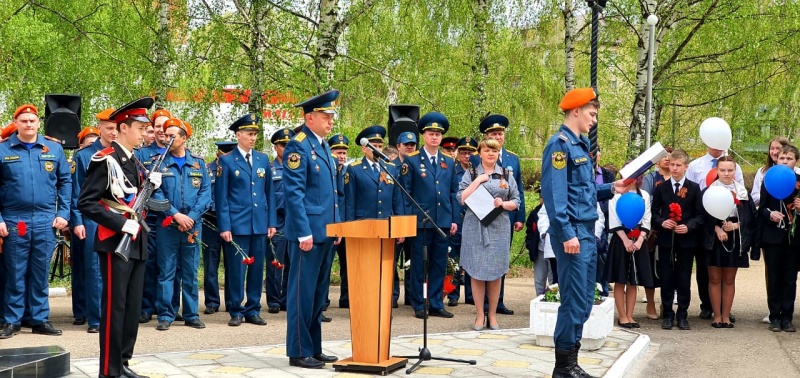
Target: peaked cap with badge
column 282, row 136
column 246, row 122
column 467, row 143
column 339, row 141
column 325, row 103
column 433, row 121
column 135, row 110
column 493, row 122
column 374, row 133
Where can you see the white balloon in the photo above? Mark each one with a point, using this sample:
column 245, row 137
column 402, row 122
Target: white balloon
column 718, row 202
column 716, row 133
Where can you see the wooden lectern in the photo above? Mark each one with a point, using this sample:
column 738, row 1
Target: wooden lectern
column 370, row 269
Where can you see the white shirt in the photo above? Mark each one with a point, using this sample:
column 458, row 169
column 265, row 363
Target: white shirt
column 613, row 218
column 672, row 183
column 699, row 168
column 244, row 153
column 544, row 224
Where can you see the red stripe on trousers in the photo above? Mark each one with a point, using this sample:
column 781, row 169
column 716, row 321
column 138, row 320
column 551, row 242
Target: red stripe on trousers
column 108, row 315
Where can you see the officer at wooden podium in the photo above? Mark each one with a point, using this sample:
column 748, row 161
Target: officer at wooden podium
column 309, row 179
column 112, row 182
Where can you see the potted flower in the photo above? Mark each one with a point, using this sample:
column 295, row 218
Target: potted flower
column 451, row 276
column 544, row 313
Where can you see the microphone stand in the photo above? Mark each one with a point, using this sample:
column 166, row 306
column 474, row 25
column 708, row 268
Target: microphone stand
column 424, row 353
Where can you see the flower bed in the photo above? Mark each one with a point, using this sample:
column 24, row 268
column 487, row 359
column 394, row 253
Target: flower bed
column 595, row 331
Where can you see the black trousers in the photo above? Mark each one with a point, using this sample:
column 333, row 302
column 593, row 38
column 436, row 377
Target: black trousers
column 701, row 277
column 344, row 293
column 123, row 284
column 675, row 270
column 781, row 261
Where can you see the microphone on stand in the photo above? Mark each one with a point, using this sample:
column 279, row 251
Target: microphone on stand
column 375, row 152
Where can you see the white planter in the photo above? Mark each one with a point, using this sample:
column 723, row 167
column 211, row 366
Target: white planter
column 595, row 331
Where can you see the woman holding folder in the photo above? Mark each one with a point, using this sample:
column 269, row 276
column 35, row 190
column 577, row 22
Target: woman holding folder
column 490, row 191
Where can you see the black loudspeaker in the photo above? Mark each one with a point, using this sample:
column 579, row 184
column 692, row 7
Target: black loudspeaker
column 62, row 118
column 402, row 118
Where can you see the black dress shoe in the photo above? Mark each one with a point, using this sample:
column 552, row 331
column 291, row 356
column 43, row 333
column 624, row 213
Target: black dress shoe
column 419, row 314
column 93, row 329
column 211, row 310
column 255, row 319
column 683, row 324
column 127, row 372
column 395, row 305
column 706, row 314
column 452, row 303
column 505, row 311
column 144, row 318
column 178, row 318
column 787, row 326
column 10, row 330
column 325, row 318
column 274, row 310
column 162, row 325
column 344, row 304
column 283, row 308
column 774, row 326
column 194, row 323
column 624, row 325
column 79, row 321
column 732, row 318
column 306, row 363
column 442, row 313
column 469, row 302
column 325, row 358
column 666, row 324
column 46, row 329
column 235, row 321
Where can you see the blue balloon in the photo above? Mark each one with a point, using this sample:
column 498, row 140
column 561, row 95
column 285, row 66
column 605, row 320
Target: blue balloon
column 630, row 210
column 780, row 181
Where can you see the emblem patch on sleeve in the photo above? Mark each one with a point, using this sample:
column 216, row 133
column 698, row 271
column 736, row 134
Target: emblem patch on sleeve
column 559, row 160
column 219, row 171
column 404, row 169
column 346, row 178
column 293, row 161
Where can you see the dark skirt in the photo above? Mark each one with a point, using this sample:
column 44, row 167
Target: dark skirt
column 628, row 268
column 720, row 257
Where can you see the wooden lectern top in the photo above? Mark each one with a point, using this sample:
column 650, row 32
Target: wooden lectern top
column 398, row 226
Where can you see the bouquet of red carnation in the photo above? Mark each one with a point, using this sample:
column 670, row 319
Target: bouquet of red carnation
column 675, row 214
column 634, row 234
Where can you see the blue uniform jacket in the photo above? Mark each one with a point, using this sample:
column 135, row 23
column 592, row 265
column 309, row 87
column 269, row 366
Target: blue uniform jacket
column 434, row 189
column 460, row 209
column 147, row 155
column 277, row 187
column 211, row 168
column 310, row 187
column 244, row 196
column 187, row 188
column 81, row 160
column 35, row 184
column 569, row 190
column 368, row 196
column 510, row 161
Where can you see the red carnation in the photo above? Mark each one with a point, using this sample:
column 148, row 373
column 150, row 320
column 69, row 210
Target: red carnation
column 248, row 260
column 275, row 263
column 448, row 284
column 634, row 234
column 22, row 228
column 735, row 198
column 167, row 221
column 533, row 227
column 675, row 212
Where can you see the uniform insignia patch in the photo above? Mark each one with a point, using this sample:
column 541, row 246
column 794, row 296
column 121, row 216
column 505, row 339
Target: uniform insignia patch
column 294, row 159
column 563, row 137
column 347, row 178
column 49, row 166
column 219, row 171
column 196, row 182
column 404, row 169
column 72, row 167
column 580, row 160
column 559, row 160
column 236, row 172
column 300, row 136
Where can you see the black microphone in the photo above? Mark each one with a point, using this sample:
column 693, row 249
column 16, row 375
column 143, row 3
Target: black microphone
column 375, row 152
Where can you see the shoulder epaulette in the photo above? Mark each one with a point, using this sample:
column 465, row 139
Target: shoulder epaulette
column 355, row 163
column 512, row 153
column 563, row 136
column 301, row 136
column 196, row 156
column 56, row 140
column 102, row 154
column 389, row 163
column 83, row 147
column 415, row 153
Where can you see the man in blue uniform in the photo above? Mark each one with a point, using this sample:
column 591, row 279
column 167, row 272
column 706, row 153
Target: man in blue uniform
column 309, row 180
column 339, row 145
column 466, row 147
column 406, row 144
column 35, row 184
column 245, row 215
column 370, row 193
column 430, row 177
column 494, row 127
column 277, row 273
column 185, row 184
column 570, row 196
column 146, row 156
column 212, row 244
column 84, row 229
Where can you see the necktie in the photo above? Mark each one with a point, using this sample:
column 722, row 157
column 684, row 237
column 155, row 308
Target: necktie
column 375, row 170
column 714, row 163
column 247, row 157
column 677, row 187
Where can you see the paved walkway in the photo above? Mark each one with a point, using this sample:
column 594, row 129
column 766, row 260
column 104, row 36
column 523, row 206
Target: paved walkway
column 507, row 353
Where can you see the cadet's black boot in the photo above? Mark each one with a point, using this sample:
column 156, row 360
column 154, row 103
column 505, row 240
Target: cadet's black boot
column 564, row 367
column 574, row 362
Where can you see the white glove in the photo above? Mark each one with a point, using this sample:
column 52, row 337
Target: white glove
column 131, row 227
column 155, row 179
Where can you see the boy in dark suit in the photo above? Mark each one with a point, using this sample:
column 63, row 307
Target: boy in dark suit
column 679, row 239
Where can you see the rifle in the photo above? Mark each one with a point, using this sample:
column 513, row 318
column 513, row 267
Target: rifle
column 144, row 200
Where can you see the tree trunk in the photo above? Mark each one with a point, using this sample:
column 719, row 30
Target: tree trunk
column 258, row 31
column 161, row 53
column 327, row 40
column 637, row 135
column 480, row 67
column 569, row 44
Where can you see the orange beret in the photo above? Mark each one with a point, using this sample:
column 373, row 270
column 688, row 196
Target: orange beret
column 86, row 132
column 174, row 122
column 27, row 108
column 8, row 130
column 160, row 113
column 577, row 98
column 105, row 115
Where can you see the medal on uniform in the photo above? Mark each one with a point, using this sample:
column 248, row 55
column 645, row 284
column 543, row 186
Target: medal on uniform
column 422, row 170
column 313, row 155
column 261, row 172
column 383, row 177
column 236, row 172
column 317, row 168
